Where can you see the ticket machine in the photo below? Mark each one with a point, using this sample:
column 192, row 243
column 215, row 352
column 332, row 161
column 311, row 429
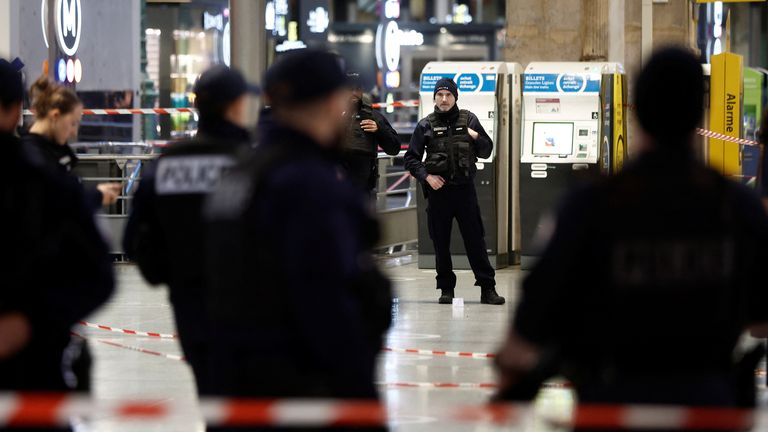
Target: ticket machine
column 573, row 129
column 483, row 90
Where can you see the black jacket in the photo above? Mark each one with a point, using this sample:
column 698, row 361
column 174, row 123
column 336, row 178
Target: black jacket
column 650, row 276
column 483, row 146
column 289, row 257
column 60, row 159
column 164, row 234
column 361, row 164
column 54, row 263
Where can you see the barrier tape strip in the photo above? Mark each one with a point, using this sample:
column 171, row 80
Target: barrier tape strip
column 438, row 385
column 399, row 181
column 130, row 111
column 440, row 353
column 141, row 350
column 131, row 348
column 127, row 331
column 165, row 111
column 723, row 137
column 19, row 409
column 396, row 104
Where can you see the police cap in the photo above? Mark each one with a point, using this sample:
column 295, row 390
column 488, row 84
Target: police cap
column 219, row 86
column 304, row 76
column 11, row 82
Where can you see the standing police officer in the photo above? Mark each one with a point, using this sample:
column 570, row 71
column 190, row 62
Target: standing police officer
column 453, row 140
column 54, row 263
column 650, row 276
column 164, row 234
column 298, row 304
column 367, row 131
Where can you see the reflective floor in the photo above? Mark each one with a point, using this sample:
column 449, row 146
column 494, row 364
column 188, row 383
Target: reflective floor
column 417, row 388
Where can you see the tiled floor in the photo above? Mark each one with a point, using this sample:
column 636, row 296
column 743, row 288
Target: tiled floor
column 123, row 371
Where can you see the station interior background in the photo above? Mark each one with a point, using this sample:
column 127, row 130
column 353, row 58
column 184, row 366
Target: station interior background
column 148, row 54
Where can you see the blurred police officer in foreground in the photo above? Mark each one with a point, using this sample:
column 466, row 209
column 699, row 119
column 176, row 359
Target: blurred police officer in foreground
column 300, row 308
column 54, row 263
column 164, row 234
column 367, row 131
column 453, row 140
column 650, row 276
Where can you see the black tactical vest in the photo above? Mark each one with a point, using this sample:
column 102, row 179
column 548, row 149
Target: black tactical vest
column 450, row 153
column 357, row 139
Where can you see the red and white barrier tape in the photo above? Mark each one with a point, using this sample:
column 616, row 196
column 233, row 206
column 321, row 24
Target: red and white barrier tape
column 399, row 181
column 127, row 331
column 132, row 348
column 164, row 111
column 437, row 385
column 723, row 137
column 141, row 350
column 439, row 353
column 56, row 409
column 396, row 104
column 130, row 111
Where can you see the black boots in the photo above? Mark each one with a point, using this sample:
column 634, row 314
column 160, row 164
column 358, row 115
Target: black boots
column 446, row 297
column 489, row 296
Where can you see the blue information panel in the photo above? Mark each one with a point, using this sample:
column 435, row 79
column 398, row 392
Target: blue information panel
column 560, row 83
column 467, row 82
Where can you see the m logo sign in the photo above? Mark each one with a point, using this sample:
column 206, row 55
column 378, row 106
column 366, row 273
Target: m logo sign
column 69, row 25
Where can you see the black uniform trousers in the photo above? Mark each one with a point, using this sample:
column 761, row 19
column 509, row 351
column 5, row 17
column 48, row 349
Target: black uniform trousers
column 459, row 202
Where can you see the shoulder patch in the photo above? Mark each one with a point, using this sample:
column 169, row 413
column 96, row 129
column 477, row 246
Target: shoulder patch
column 197, row 174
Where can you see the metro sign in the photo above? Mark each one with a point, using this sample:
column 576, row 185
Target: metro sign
column 69, row 25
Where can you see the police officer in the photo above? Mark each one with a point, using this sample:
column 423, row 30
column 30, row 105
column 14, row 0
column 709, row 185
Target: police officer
column 54, row 264
column 367, row 131
column 299, row 307
column 164, row 234
column 650, row 276
column 453, row 139
column 58, row 110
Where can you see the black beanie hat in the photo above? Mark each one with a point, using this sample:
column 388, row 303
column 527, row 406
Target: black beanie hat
column 446, row 84
column 12, row 88
column 669, row 95
column 304, row 76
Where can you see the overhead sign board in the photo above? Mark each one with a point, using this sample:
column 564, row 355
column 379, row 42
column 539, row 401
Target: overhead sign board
column 466, row 82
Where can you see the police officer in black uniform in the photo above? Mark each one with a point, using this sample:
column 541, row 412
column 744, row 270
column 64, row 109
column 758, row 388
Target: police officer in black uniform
column 164, row 234
column 367, row 131
column 54, row 263
column 650, row 276
column 453, row 139
column 299, row 307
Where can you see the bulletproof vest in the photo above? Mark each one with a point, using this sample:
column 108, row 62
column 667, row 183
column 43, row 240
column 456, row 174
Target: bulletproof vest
column 356, row 138
column 449, row 152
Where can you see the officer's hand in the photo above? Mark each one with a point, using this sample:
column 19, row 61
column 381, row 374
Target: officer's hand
column 473, row 133
column 109, row 192
column 369, row 126
column 435, row 181
column 15, row 332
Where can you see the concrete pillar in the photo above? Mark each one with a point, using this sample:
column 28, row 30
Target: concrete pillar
column 543, row 30
column 566, row 30
column 249, row 42
column 441, row 11
column 9, row 37
column 594, row 28
column 616, row 30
